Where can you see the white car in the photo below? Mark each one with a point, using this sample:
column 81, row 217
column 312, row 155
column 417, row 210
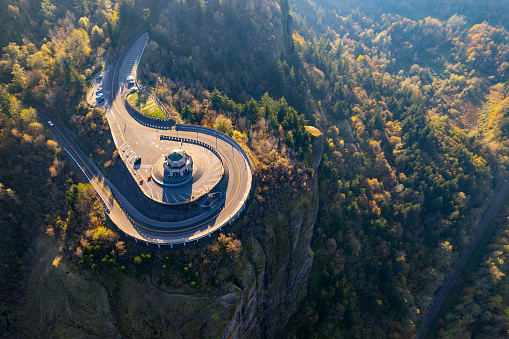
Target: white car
column 50, row 124
column 99, row 90
column 100, row 95
column 129, row 79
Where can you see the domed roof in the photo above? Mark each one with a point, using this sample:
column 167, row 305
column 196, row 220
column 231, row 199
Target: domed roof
column 176, row 155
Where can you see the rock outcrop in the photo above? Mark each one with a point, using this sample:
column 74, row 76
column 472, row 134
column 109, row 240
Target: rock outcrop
column 280, row 256
column 280, row 260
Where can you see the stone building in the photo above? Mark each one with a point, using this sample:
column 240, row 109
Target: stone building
column 178, row 164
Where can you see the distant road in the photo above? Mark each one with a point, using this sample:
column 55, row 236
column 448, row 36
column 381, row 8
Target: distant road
column 93, row 174
column 446, row 288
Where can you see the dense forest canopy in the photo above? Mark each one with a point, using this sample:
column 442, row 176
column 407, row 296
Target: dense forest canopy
column 415, row 110
column 411, row 97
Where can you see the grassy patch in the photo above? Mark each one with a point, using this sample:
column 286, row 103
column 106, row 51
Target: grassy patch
column 146, row 105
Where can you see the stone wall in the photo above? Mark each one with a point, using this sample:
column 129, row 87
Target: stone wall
column 146, row 120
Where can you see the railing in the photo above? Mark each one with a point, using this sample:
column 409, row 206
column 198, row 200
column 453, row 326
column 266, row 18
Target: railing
column 182, row 241
column 229, row 219
column 169, row 124
column 193, row 141
column 160, row 104
column 216, row 133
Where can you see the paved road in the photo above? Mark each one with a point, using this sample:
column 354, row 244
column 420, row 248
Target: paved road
column 446, row 288
column 125, row 129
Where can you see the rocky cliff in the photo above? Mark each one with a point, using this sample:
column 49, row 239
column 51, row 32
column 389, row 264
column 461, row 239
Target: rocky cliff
column 280, row 261
column 279, row 234
column 260, row 294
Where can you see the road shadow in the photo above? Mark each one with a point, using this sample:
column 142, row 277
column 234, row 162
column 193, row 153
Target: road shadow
column 178, row 194
column 123, row 181
column 192, row 230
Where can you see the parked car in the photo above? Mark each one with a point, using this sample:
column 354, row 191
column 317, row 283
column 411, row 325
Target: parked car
column 137, row 160
column 100, row 95
column 130, row 79
column 134, row 89
column 100, row 99
column 99, row 90
column 99, row 77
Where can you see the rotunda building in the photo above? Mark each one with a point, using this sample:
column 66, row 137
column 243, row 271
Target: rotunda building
column 178, row 164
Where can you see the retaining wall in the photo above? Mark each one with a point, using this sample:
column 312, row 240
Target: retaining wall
column 165, row 124
column 146, row 120
column 216, row 133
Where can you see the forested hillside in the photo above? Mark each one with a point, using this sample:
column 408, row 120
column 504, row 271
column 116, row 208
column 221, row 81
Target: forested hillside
column 414, row 113
column 479, row 303
column 61, row 247
column 50, row 50
column 412, row 99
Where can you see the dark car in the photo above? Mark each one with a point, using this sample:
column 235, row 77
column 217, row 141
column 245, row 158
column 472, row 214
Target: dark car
column 100, row 99
column 137, row 160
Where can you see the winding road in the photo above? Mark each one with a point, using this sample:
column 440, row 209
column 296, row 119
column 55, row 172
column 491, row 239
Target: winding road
column 144, row 138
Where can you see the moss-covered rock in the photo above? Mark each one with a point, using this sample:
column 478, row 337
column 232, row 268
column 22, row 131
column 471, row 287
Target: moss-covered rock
column 278, row 247
column 62, row 301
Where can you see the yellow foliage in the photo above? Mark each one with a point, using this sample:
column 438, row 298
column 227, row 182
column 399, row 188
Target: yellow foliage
column 496, row 273
column 297, row 38
column 52, row 145
column 319, row 74
column 313, row 131
column 223, row 124
column 57, row 260
column 101, row 234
